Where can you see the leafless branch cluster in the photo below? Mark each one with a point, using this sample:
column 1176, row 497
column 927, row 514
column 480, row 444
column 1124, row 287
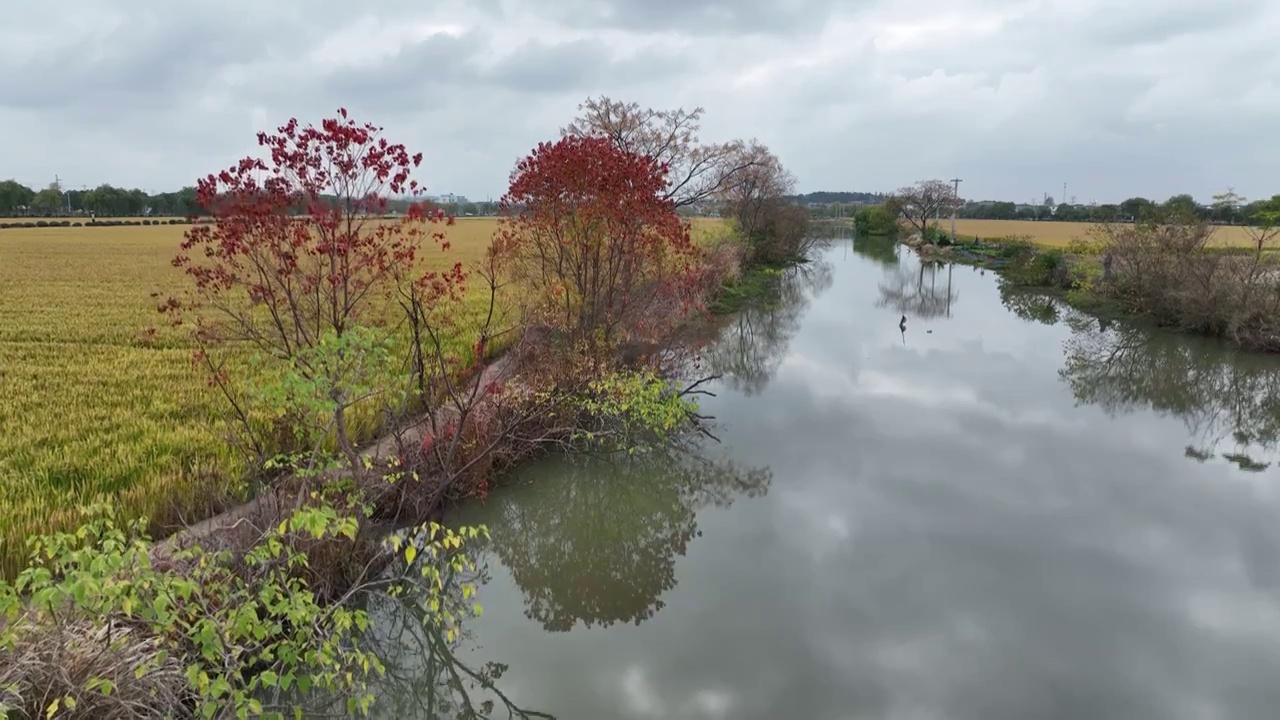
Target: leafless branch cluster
column 697, row 171
column 919, row 203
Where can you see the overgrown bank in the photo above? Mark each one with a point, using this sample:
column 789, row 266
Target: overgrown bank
column 1164, row 268
column 589, row 283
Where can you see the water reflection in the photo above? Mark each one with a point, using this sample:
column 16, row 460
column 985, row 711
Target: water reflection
column 919, row 292
column 881, row 248
column 1030, row 306
column 426, row 676
column 1228, row 400
column 752, row 343
column 949, row 531
column 595, row 541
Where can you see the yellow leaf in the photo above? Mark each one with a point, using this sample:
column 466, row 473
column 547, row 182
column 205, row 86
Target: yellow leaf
column 53, row 708
column 410, row 553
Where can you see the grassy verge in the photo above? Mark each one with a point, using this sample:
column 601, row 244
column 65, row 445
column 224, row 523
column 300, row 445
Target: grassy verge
column 752, row 283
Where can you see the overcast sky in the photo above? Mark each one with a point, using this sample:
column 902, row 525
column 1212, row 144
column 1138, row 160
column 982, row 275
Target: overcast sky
column 1113, row 97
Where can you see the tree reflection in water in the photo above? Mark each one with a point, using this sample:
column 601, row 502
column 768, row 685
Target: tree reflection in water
column 595, row 541
column 881, row 248
column 919, row 293
column 1224, row 397
column 1029, row 305
column 751, row 343
column 425, row 678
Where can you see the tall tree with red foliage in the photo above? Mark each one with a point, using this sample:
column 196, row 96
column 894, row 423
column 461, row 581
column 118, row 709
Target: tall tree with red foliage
column 297, row 250
column 595, row 242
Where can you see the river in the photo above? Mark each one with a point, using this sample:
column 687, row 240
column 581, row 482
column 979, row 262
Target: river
column 1007, row 511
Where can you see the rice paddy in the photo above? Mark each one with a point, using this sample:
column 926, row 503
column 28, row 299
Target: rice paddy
column 1060, row 234
column 91, row 411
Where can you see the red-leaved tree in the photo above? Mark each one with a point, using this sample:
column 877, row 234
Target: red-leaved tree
column 297, row 252
column 598, row 248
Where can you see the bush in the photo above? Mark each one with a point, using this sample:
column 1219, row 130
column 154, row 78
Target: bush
column 146, row 222
column 42, row 223
column 76, row 224
column 935, row 235
column 93, row 630
column 1165, row 268
column 1047, row 268
column 875, row 220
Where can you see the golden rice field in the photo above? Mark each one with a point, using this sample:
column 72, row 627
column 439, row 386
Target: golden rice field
column 1060, row 234
column 88, row 411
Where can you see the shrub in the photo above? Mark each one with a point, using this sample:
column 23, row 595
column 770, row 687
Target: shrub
column 1164, row 267
column 875, row 220
column 42, row 223
column 76, row 224
column 1047, row 268
column 91, row 629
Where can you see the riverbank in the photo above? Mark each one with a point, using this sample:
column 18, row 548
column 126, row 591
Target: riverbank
column 1168, row 275
column 398, row 483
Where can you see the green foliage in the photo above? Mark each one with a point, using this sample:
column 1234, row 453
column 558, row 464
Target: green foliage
column 753, row 282
column 633, row 408
column 313, row 389
column 935, row 235
column 229, row 641
column 1266, row 213
column 876, row 220
column 1046, row 268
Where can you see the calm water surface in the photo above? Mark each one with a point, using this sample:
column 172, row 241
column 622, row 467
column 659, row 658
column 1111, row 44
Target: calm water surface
column 1009, row 511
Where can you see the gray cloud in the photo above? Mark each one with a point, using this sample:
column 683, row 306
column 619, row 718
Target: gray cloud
column 1016, row 96
column 700, row 17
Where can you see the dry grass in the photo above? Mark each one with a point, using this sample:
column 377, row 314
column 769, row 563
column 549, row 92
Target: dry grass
column 1060, row 234
column 88, row 411
column 51, row 661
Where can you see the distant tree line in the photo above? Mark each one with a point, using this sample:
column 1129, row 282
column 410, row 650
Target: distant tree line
column 827, row 197
column 18, row 200
column 1225, row 209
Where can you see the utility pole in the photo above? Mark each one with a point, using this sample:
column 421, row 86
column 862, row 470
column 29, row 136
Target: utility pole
column 1063, row 199
column 955, row 202
column 57, row 182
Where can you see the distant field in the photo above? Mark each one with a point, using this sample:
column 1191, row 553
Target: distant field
column 1060, row 234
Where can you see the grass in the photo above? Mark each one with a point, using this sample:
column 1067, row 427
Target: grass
column 753, row 283
column 88, row 411
column 1060, row 234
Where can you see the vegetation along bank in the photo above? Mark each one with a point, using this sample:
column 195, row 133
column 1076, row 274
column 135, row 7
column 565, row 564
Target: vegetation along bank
column 366, row 372
column 1168, row 265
